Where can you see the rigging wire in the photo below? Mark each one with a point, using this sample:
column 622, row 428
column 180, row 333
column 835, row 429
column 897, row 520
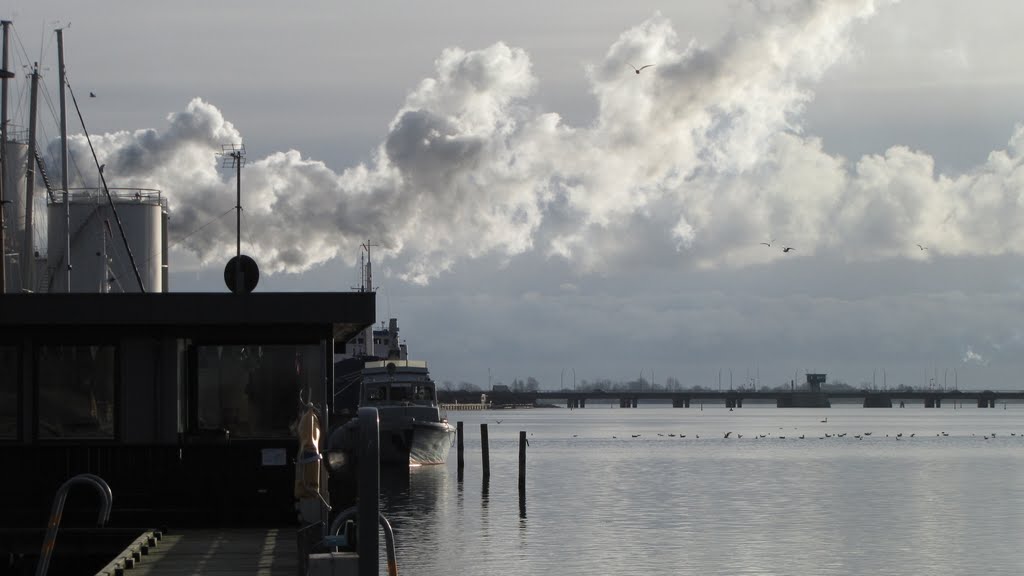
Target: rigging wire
column 110, row 200
column 189, row 235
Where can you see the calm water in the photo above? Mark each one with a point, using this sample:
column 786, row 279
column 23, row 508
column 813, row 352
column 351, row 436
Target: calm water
column 656, row 504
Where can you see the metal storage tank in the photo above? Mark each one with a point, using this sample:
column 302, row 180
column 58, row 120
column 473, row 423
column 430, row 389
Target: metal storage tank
column 14, row 212
column 99, row 260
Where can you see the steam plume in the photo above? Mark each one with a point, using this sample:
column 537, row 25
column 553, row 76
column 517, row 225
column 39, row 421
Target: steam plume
column 699, row 158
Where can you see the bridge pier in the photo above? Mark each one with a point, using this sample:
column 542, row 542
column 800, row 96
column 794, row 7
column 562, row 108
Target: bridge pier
column 878, row 401
column 929, row 402
column 733, row 402
column 680, row 402
column 986, row 402
column 583, row 402
column 635, row 400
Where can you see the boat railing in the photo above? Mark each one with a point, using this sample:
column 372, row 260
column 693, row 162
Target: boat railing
column 121, row 195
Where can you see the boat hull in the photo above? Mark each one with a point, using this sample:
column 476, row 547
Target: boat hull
column 415, row 443
column 406, row 442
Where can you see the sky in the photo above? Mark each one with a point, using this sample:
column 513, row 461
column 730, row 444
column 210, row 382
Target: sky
column 540, row 209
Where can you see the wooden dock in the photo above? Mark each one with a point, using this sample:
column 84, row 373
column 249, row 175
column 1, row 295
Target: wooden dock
column 262, row 552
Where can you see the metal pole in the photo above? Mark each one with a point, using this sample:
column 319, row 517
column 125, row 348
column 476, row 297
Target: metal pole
column 239, row 284
column 522, row 461
column 4, row 74
column 461, row 448
column 485, row 455
column 369, row 491
column 64, row 160
column 28, row 259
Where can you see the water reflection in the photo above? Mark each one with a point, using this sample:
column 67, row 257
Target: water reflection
column 712, row 506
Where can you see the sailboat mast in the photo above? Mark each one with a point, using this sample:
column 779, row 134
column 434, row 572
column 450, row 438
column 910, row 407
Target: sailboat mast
column 64, row 160
column 4, row 75
column 28, row 259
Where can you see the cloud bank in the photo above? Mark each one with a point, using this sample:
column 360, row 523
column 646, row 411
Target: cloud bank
column 698, row 160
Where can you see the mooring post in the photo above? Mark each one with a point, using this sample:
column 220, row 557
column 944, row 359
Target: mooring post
column 484, row 452
column 368, row 507
column 522, row 461
column 461, row 448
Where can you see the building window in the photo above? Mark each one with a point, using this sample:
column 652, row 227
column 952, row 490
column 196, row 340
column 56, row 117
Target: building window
column 252, row 391
column 9, row 392
column 76, row 391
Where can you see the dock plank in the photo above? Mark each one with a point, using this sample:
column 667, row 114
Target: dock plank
column 262, row 552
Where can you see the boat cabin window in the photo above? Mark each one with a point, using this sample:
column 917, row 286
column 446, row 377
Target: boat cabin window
column 9, row 392
column 252, row 391
column 423, row 393
column 76, row 391
column 401, row 393
column 375, row 394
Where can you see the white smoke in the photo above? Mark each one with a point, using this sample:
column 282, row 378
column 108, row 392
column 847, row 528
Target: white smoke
column 701, row 155
column 972, row 357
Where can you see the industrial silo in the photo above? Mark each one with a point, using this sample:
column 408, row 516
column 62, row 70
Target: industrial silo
column 14, row 213
column 99, row 258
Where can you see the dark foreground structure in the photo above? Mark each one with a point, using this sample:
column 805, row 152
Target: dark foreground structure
column 185, row 403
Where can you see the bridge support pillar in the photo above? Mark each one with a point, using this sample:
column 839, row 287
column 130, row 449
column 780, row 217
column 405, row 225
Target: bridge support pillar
column 677, row 402
column 929, row 402
column 938, row 402
column 686, row 403
column 739, row 402
column 878, row 401
column 623, row 403
column 583, row 403
column 634, row 401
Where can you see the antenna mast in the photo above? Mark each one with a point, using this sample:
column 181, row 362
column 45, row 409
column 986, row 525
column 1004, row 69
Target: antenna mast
column 368, row 270
column 234, row 157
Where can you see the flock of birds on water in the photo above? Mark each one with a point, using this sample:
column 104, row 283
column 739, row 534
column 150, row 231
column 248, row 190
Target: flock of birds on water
column 899, row 436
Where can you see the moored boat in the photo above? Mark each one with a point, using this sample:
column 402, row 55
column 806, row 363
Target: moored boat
column 414, row 429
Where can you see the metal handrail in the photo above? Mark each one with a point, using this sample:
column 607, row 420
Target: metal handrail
column 58, row 510
column 389, row 537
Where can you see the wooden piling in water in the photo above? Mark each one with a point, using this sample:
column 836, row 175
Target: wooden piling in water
column 461, row 448
column 485, row 455
column 522, row 461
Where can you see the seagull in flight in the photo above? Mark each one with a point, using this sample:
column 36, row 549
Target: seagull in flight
column 637, row 70
column 92, row 94
column 768, row 243
column 923, row 248
column 788, row 248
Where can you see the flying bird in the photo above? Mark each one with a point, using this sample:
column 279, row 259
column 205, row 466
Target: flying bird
column 923, row 248
column 92, row 94
column 788, row 248
column 637, row 70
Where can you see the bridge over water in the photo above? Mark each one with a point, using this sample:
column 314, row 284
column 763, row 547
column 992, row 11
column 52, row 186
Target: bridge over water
column 808, row 398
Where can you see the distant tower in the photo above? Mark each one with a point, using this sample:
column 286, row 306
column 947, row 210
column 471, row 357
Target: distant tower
column 815, row 381
column 367, row 286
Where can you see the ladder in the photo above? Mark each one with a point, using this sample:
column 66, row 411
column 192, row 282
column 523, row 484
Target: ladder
column 42, row 174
